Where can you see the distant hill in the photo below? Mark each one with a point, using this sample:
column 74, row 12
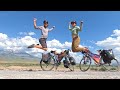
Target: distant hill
column 9, row 55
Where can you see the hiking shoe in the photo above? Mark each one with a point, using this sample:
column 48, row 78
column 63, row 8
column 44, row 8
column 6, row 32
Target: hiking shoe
column 31, row 46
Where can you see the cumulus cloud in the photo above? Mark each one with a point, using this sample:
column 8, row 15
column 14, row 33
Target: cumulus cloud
column 3, row 36
column 19, row 45
column 112, row 42
column 16, row 43
column 116, row 33
column 56, row 44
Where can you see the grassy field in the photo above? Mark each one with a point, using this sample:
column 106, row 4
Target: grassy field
column 22, row 64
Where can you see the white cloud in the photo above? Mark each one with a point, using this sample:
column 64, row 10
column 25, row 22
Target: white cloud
column 112, row 43
column 16, row 43
column 67, row 45
column 26, row 33
column 3, row 36
column 2, row 45
column 20, row 45
column 22, row 33
column 31, row 33
column 116, row 33
column 56, row 44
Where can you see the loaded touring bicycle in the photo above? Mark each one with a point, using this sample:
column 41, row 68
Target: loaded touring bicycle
column 105, row 58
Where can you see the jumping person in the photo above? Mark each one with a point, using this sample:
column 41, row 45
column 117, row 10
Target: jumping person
column 44, row 31
column 75, row 37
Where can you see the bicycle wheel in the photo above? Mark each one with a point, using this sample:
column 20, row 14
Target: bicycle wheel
column 47, row 65
column 113, row 66
column 85, row 63
column 57, row 64
column 71, row 67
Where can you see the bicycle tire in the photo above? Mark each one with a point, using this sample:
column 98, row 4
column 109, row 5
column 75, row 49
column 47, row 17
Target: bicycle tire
column 87, row 66
column 52, row 66
column 113, row 66
column 71, row 67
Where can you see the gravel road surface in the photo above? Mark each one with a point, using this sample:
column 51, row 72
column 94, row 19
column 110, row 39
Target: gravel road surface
column 15, row 74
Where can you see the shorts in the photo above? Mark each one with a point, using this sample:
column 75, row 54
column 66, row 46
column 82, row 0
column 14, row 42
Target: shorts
column 43, row 42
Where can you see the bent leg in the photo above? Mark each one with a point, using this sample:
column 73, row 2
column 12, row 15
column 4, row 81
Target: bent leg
column 40, row 47
column 43, row 43
column 75, row 45
column 45, row 49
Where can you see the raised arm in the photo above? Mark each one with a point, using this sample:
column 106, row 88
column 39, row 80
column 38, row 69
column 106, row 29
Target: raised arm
column 69, row 26
column 81, row 25
column 51, row 28
column 35, row 25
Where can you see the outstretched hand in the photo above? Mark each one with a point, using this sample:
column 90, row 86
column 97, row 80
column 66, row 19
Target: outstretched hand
column 35, row 19
column 53, row 26
column 81, row 21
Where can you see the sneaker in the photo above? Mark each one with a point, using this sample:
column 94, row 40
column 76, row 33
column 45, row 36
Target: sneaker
column 31, row 46
column 86, row 49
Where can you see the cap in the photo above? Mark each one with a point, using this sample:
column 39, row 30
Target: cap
column 45, row 21
column 73, row 22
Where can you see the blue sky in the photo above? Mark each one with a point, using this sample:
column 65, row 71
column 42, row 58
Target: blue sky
column 101, row 30
column 97, row 25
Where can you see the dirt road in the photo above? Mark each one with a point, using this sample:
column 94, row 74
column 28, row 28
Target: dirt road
column 38, row 74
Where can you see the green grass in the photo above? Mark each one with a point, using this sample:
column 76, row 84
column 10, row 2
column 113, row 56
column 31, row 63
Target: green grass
column 102, row 69
column 113, row 68
column 36, row 63
column 18, row 62
column 94, row 68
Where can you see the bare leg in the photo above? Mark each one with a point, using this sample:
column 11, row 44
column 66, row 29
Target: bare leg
column 45, row 49
column 40, row 47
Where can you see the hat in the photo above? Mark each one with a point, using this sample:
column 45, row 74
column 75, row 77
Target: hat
column 45, row 21
column 73, row 22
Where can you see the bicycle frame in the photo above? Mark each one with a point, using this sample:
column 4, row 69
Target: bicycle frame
column 85, row 62
column 99, row 57
column 95, row 57
column 67, row 55
column 55, row 62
